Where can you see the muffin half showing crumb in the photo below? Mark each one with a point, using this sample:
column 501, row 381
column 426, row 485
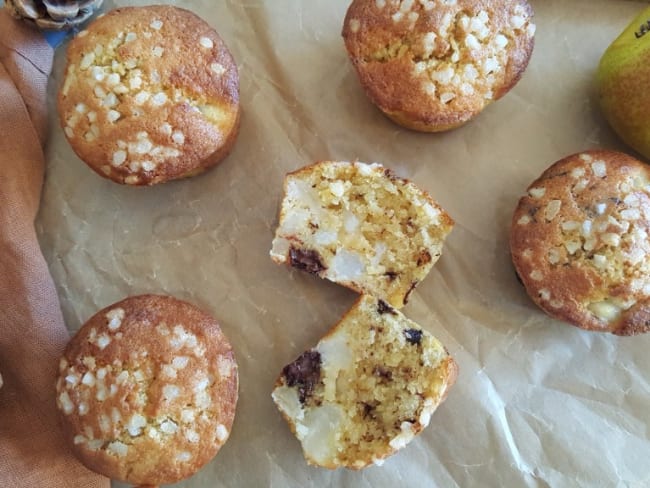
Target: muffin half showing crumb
column 147, row 390
column 579, row 242
column 434, row 65
column 366, row 389
column 361, row 226
column 150, row 94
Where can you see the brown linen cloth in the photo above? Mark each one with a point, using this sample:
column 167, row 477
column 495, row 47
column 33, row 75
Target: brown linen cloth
column 32, row 333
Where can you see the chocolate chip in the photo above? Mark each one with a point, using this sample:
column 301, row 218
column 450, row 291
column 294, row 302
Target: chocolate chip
column 369, row 409
column 305, row 373
column 414, row 336
column 388, row 173
column 391, row 275
column 424, row 257
column 383, row 307
column 409, row 224
column 382, row 373
column 616, row 200
column 306, row 260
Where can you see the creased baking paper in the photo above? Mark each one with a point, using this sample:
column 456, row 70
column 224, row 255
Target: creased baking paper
column 537, row 402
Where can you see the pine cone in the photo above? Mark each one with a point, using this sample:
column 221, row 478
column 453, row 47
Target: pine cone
column 53, row 14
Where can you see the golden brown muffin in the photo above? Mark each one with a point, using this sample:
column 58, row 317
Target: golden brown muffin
column 367, row 388
column 150, row 94
column 361, row 226
column 147, row 390
column 432, row 65
column 579, row 242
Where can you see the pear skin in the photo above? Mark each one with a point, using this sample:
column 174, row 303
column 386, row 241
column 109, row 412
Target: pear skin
column 623, row 82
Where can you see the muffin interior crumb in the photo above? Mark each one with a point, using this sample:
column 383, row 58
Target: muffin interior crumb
column 357, row 223
column 375, row 381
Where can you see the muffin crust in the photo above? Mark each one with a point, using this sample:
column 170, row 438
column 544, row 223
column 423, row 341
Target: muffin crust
column 579, row 242
column 150, row 94
column 147, row 390
column 432, row 65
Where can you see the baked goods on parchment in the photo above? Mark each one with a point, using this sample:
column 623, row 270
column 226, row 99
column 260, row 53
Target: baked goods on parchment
column 579, row 242
column 432, row 65
column 147, row 390
column 366, row 389
column 361, row 226
column 150, row 94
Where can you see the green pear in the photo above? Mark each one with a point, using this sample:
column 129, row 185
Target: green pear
column 624, row 84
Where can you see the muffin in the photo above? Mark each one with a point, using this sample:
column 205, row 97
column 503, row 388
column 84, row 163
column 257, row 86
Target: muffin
column 432, row 66
column 579, row 242
column 361, row 226
column 366, row 389
column 150, row 94
column 147, row 390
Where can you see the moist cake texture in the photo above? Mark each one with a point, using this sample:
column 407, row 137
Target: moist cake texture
column 366, row 389
column 361, row 226
column 432, row 65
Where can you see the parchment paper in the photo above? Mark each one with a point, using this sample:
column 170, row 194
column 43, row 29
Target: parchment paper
column 537, row 402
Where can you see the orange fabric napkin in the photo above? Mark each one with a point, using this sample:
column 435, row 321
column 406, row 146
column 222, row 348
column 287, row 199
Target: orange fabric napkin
column 32, row 333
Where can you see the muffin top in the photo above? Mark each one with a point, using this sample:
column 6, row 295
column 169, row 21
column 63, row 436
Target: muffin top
column 150, row 94
column 433, row 65
column 580, row 245
column 147, row 390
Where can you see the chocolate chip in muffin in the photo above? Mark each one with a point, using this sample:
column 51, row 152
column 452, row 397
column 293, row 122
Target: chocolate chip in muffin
column 413, row 336
column 304, row 373
column 306, row 259
column 383, row 307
